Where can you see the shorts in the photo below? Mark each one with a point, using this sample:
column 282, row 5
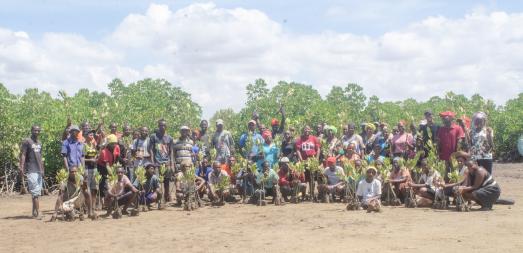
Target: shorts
column 34, row 183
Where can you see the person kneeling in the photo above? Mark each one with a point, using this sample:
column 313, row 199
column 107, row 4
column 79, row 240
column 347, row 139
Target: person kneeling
column 150, row 190
column 267, row 184
column 218, row 185
column 122, row 193
column 74, row 194
column 426, row 189
column 291, row 183
column 335, row 185
column 369, row 191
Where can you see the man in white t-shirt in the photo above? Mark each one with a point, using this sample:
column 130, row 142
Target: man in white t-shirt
column 369, row 191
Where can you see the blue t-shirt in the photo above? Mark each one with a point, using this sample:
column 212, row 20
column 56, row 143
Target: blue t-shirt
column 199, row 172
column 270, row 153
column 255, row 137
column 73, row 150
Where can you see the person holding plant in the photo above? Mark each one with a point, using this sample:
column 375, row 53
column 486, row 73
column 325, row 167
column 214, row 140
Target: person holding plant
column 31, row 163
column 426, row 188
column 481, row 141
column 215, row 178
column 160, row 149
column 291, row 182
column 71, row 190
column 204, row 138
column 402, row 143
column 125, row 142
column 307, row 147
column 334, row 185
column 91, row 155
column 399, row 178
column 123, row 191
column 369, row 191
column 251, row 140
column 150, row 190
column 448, row 139
column 182, row 184
column 108, row 156
column 481, row 187
column 267, row 183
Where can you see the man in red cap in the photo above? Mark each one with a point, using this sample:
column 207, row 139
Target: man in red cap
column 448, row 137
column 334, row 185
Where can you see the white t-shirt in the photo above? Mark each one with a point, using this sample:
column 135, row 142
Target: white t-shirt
column 368, row 190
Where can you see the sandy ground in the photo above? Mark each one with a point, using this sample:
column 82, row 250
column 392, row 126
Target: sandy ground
column 306, row 227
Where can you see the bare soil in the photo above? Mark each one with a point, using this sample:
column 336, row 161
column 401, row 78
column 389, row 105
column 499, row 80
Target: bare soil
column 305, row 227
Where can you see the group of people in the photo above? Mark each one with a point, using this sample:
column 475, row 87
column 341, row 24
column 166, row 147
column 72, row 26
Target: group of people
column 263, row 163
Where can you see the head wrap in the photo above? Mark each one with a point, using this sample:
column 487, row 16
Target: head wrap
column 371, row 126
column 266, row 134
column 274, row 122
column 112, row 139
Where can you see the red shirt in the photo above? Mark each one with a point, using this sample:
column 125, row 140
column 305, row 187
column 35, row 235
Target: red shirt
column 106, row 156
column 448, row 140
column 308, row 147
column 284, row 180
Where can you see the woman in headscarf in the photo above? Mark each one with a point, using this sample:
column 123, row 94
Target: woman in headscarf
column 481, row 141
column 369, row 137
column 270, row 152
column 332, row 142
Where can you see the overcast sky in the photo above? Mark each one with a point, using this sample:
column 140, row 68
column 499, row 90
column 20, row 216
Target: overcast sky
column 394, row 49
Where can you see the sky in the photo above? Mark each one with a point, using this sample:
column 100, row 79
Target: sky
column 213, row 49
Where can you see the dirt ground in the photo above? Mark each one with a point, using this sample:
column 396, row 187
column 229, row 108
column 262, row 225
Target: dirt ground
column 305, row 227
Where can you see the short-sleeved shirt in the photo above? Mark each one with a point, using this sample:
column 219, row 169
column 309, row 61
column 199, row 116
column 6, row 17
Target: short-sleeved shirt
column 204, row 173
column 33, row 155
column 255, row 138
column 223, row 143
column 119, row 186
column 428, row 179
column 270, row 155
column 141, row 148
column 448, row 140
column 183, row 150
column 400, row 141
column 308, row 147
column 107, row 157
column 150, row 185
column 368, row 190
column 333, row 175
column 216, row 178
column 161, row 147
column 73, row 150
column 271, row 178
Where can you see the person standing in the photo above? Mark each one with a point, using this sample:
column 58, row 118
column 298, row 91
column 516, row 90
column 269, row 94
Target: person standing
column 223, row 143
column 32, row 164
column 481, row 141
column 73, row 150
column 182, row 148
column 160, row 148
column 448, row 138
column 204, row 138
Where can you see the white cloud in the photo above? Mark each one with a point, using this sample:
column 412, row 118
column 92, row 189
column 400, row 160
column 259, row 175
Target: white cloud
column 214, row 52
